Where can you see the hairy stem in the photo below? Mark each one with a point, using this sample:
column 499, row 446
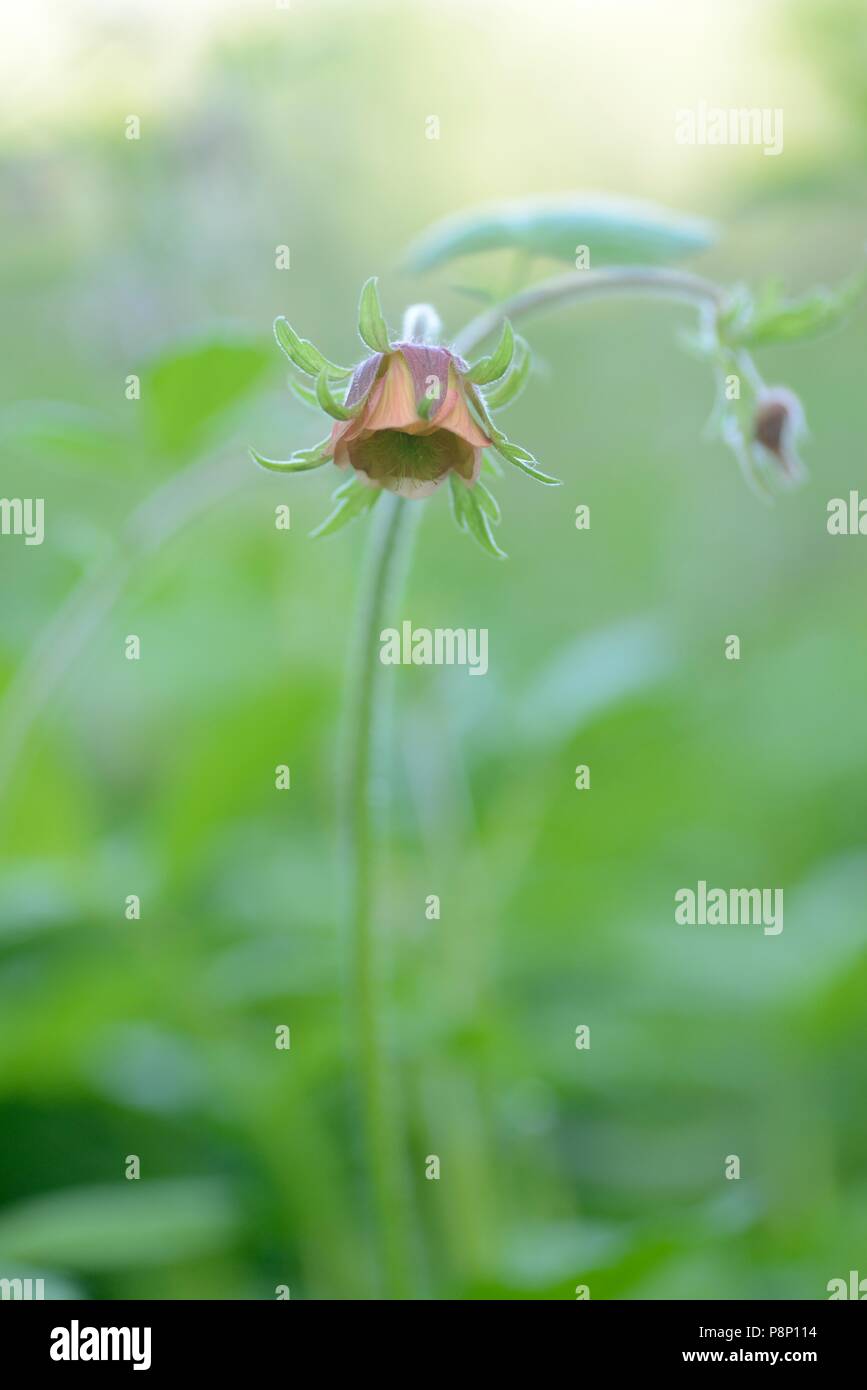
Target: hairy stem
column 379, row 1096
column 591, row 284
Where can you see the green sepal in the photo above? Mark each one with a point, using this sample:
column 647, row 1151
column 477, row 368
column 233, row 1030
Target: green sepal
column 512, row 453
column 483, row 415
column 492, row 465
column 332, row 407
column 303, row 393
column 471, row 514
column 771, row 318
column 491, row 368
column 303, row 354
column 510, row 388
column 353, row 499
column 372, row 327
column 488, row 502
column 301, row 462
column 526, row 462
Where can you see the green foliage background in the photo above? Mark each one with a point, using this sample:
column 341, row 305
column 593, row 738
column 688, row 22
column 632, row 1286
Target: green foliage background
column 156, row 1039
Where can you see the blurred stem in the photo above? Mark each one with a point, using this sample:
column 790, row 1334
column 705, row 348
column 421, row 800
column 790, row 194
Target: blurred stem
column 382, row 1127
column 592, row 284
column 171, row 507
column 379, row 1093
column 163, row 515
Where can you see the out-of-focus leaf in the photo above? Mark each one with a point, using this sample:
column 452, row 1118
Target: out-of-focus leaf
column 48, row 428
column 774, row 319
column 128, row 1224
column 616, row 232
column 54, row 1286
column 559, row 1250
column 140, row 1065
column 35, row 896
column 592, row 675
column 791, row 966
column 185, row 392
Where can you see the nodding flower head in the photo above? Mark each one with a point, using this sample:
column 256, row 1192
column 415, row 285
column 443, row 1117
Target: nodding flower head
column 413, row 424
column 778, row 425
column 414, row 414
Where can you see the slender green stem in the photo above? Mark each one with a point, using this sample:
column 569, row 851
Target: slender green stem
column 379, row 1094
column 591, row 284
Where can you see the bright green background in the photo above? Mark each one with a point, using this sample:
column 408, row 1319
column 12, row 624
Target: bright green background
column 306, row 127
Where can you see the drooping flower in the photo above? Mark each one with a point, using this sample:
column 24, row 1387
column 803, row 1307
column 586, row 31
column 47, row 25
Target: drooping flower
column 778, row 425
column 414, row 425
column 762, row 424
column 764, row 427
column 414, row 414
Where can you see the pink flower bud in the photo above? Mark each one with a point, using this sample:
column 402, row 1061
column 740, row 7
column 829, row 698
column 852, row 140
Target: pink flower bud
column 778, row 424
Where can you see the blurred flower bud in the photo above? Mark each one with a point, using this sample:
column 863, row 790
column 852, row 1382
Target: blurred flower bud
column 422, row 324
column 778, row 425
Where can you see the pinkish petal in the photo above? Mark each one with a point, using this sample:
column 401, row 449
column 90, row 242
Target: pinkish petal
column 429, row 368
column 470, row 475
column 455, row 416
column 391, row 405
column 341, row 432
column 363, row 378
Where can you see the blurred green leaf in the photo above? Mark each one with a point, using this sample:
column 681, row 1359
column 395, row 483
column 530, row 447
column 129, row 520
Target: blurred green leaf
column 130, row 1224
column 187, row 391
column 56, row 1286
column 616, row 232
column 773, row 319
column 47, row 428
column 591, row 675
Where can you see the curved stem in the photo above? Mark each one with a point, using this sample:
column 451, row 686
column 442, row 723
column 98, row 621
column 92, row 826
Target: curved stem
column 379, row 1099
column 591, row 284
column 382, row 1130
